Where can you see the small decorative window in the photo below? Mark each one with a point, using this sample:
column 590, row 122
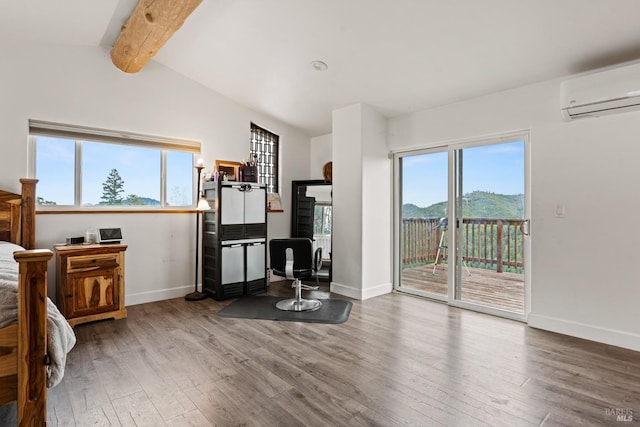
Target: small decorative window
column 264, row 152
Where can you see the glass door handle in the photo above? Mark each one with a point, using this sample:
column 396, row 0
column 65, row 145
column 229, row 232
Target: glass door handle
column 525, row 227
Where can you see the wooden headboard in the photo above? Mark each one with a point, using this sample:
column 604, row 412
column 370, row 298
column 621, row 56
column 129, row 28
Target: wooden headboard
column 18, row 215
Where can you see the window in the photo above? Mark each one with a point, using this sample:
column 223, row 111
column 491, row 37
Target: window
column 87, row 168
column 264, row 151
column 322, row 219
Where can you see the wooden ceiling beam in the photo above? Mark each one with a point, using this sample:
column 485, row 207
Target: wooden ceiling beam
column 150, row 25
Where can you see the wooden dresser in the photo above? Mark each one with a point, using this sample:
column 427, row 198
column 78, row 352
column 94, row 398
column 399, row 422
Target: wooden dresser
column 90, row 282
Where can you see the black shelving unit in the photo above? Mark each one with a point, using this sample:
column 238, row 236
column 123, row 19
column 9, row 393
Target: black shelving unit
column 234, row 251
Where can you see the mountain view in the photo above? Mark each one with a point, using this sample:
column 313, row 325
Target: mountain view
column 478, row 204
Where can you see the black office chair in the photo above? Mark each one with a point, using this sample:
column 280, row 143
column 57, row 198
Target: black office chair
column 294, row 259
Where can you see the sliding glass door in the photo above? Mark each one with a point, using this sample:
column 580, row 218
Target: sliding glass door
column 461, row 228
column 490, row 212
column 423, row 226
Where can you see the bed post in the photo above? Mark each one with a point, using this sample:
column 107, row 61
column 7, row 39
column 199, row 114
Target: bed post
column 32, row 336
column 28, row 215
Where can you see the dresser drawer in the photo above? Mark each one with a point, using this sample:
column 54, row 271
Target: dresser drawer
column 92, row 262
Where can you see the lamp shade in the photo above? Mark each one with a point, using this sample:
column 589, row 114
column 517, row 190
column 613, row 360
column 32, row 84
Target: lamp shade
column 203, row 205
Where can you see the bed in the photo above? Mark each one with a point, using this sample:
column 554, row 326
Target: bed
column 26, row 346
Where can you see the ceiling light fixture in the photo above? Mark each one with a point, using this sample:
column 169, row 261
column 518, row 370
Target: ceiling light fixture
column 319, row 65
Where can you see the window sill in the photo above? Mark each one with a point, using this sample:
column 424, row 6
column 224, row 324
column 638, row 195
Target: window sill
column 111, row 211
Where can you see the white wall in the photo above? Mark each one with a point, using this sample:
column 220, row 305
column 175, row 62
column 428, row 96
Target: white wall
column 80, row 86
column 361, row 254
column 584, row 281
column 376, row 205
column 321, row 153
column 346, row 232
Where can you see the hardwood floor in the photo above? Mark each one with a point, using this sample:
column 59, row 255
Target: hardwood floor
column 399, row 360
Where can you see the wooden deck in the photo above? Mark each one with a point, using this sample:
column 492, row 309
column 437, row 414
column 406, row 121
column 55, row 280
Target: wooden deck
column 504, row 291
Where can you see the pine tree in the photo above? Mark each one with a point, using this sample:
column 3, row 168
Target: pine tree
column 112, row 189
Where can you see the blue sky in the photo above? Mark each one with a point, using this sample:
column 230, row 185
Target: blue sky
column 139, row 168
column 497, row 168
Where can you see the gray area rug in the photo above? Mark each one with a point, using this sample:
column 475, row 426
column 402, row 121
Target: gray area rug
column 263, row 307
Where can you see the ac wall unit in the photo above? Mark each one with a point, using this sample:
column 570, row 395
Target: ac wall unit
column 614, row 90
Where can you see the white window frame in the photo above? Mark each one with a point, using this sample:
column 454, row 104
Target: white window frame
column 82, row 134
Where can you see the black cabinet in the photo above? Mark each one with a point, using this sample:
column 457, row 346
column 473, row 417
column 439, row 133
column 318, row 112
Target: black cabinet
column 234, row 239
column 303, row 214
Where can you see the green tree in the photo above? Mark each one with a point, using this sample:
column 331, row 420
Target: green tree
column 112, row 189
column 42, row 201
column 133, row 199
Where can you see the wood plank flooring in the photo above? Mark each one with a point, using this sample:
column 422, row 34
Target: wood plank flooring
column 398, row 361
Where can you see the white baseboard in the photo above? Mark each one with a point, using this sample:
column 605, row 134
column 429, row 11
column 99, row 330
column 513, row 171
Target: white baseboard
column 586, row 331
column 157, row 295
column 361, row 294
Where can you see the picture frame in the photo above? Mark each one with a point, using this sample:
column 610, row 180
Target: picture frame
column 229, row 168
column 274, row 203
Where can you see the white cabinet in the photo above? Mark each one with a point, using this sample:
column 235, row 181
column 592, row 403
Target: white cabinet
column 256, row 260
column 243, row 204
column 255, row 201
column 232, row 262
column 232, row 210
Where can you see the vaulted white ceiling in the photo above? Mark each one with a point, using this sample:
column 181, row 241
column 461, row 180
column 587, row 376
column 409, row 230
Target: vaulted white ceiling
column 396, row 55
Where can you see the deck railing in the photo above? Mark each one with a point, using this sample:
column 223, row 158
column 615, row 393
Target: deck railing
column 485, row 242
column 322, row 241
